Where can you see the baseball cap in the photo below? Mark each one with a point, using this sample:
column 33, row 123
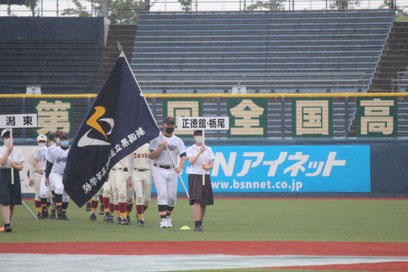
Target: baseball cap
column 41, row 137
column 58, row 134
column 51, row 136
column 169, row 120
column 4, row 132
column 63, row 136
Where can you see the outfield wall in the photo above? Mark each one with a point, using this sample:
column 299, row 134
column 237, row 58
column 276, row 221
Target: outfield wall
column 278, row 144
column 307, row 169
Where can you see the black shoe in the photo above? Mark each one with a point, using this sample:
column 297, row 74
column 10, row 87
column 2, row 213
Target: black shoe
column 7, row 228
column 88, row 206
column 124, row 221
column 140, row 223
column 63, row 216
column 119, row 220
column 102, row 210
column 53, row 214
column 108, row 217
column 128, row 219
column 45, row 214
column 93, row 217
column 198, row 228
column 59, row 212
column 40, row 215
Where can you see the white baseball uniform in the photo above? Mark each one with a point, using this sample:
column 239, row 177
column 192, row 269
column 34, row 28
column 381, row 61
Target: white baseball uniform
column 41, row 157
column 49, row 150
column 165, row 177
column 34, row 175
column 139, row 171
column 119, row 181
column 58, row 157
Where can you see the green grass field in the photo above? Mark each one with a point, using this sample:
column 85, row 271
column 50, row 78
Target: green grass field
column 362, row 220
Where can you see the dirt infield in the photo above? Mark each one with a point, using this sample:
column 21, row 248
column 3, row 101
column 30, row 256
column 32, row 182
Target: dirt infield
column 212, row 247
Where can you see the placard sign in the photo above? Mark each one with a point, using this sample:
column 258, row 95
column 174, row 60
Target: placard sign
column 203, row 123
column 18, row 120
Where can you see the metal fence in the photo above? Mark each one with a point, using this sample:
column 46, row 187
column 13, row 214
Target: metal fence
column 58, row 7
column 253, row 118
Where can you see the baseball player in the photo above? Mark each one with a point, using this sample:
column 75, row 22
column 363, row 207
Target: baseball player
column 120, row 190
column 88, row 206
column 55, row 141
column 130, row 196
column 56, row 161
column 94, row 204
column 40, row 163
column 106, row 197
column 164, row 171
column 36, row 173
column 140, row 180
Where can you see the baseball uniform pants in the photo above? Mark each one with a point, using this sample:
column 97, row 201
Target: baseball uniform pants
column 166, row 185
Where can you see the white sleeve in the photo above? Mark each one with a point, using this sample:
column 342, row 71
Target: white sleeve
column 36, row 155
column 189, row 152
column 181, row 147
column 17, row 156
column 32, row 156
column 47, row 155
column 154, row 144
column 51, row 156
column 212, row 157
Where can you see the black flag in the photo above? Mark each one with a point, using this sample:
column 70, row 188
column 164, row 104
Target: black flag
column 118, row 122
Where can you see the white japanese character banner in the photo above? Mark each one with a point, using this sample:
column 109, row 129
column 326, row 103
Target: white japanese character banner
column 335, row 168
column 18, row 120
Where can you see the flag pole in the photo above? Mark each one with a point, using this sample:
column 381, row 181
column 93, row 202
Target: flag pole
column 203, row 156
column 120, row 47
column 29, row 210
column 11, row 168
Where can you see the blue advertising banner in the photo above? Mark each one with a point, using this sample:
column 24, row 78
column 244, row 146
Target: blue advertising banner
column 335, row 168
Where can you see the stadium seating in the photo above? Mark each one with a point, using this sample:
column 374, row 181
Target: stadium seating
column 59, row 61
column 393, row 61
column 336, row 51
column 400, row 84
